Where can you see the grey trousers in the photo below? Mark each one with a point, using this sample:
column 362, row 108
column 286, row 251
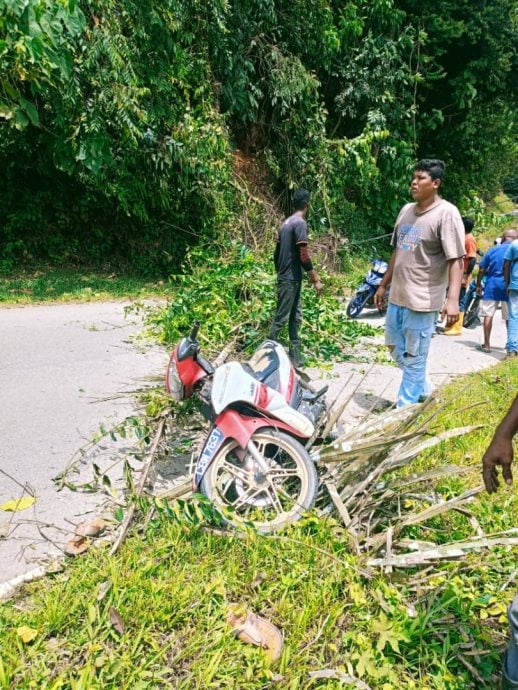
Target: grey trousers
column 510, row 681
column 288, row 309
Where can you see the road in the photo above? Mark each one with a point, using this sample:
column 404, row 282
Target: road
column 58, row 366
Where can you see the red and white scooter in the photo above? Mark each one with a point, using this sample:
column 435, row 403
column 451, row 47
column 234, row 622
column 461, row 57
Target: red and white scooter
column 253, row 465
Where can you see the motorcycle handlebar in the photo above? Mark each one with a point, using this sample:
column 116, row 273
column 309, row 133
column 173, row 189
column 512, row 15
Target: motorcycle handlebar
column 194, row 331
column 205, row 365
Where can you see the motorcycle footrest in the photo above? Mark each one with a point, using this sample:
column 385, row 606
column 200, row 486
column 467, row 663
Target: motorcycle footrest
column 311, row 396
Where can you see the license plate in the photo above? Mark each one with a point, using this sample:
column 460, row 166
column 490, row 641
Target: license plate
column 211, row 447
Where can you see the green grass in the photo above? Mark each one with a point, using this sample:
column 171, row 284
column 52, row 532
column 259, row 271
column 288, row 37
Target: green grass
column 502, row 204
column 54, row 284
column 172, row 583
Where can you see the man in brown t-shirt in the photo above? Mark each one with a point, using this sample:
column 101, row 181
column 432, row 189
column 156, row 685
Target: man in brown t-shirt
column 429, row 247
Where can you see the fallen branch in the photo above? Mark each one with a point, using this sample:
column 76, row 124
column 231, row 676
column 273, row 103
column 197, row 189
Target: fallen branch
column 419, row 448
column 180, row 490
column 398, row 457
column 439, row 473
column 380, row 424
column 335, row 412
column 424, row 515
column 444, row 552
column 341, row 450
column 339, row 504
column 225, row 352
column 338, row 408
column 140, row 488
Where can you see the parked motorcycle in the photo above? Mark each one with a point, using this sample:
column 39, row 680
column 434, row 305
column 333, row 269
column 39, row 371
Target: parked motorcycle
column 472, row 300
column 253, row 465
column 472, row 305
column 364, row 296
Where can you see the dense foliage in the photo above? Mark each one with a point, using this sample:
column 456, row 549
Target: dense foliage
column 510, row 186
column 235, row 300
column 119, row 118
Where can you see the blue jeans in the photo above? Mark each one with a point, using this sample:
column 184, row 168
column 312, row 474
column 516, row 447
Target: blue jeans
column 511, row 657
column 409, row 333
column 512, row 324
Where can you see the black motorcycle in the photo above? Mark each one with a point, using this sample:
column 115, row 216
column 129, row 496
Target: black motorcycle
column 472, row 305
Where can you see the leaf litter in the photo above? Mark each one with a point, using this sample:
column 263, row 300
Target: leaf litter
column 252, row 629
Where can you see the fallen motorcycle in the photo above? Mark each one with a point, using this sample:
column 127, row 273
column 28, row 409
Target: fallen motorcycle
column 364, row 296
column 253, row 465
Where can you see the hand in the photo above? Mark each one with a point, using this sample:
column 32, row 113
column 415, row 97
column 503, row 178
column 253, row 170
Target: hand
column 450, row 312
column 318, row 287
column 500, row 452
column 479, row 290
column 379, row 299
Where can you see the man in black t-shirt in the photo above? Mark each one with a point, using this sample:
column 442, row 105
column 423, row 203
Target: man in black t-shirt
column 291, row 259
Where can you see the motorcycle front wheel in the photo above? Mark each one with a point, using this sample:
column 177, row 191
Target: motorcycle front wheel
column 245, row 496
column 356, row 305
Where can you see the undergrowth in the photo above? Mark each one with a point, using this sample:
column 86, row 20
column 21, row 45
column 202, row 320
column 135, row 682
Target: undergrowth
column 154, row 615
column 232, row 294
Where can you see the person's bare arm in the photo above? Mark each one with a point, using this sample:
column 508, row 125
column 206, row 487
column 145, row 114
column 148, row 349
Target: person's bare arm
column 450, row 311
column 480, row 275
column 507, row 273
column 500, row 450
column 385, row 282
column 307, row 265
column 315, row 281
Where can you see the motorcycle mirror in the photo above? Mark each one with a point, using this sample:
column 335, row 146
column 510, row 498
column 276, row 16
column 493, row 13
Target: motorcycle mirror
column 194, row 331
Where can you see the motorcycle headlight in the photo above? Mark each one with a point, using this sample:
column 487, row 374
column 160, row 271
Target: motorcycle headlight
column 173, row 381
column 379, row 266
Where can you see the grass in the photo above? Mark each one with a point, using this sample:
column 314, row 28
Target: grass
column 502, row 203
column 55, row 284
column 172, row 582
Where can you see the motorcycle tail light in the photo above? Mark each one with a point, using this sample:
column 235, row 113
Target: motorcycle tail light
column 173, row 382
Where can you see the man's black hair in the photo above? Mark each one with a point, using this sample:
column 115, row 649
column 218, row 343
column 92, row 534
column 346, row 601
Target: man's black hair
column 468, row 224
column 433, row 166
column 300, row 199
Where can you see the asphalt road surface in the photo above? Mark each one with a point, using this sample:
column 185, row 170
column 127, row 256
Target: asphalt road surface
column 61, row 370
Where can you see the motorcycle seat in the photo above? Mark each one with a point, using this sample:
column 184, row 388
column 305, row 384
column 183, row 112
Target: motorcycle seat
column 270, row 365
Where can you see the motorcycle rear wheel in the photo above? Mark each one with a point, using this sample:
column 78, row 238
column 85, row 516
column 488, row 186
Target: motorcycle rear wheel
column 268, row 502
column 471, row 313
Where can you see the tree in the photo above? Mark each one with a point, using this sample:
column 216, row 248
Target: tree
column 132, row 111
